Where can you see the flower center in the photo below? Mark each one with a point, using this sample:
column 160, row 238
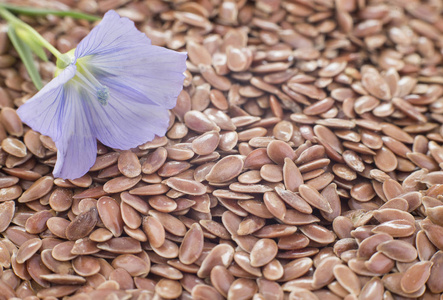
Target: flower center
column 92, row 84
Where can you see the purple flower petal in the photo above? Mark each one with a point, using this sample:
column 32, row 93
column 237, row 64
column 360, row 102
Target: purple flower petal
column 77, row 146
column 59, row 112
column 125, row 122
column 113, row 33
column 42, row 111
column 154, row 71
column 151, row 70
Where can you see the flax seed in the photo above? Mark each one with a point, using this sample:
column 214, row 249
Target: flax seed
column 287, row 108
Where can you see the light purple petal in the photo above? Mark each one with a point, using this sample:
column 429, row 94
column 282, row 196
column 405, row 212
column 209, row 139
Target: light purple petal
column 154, row 71
column 58, row 111
column 77, row 146
column 43, row 111
column 115, row 49
column 113, row 33
column 124, row 122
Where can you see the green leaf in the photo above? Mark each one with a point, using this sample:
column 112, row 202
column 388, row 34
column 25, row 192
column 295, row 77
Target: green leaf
column 39, row 51
column 32, row 43
column 43, row 12
column 25, row 54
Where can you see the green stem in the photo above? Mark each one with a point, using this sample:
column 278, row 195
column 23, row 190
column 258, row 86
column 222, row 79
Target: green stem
column 17, row 23
column 43, row 12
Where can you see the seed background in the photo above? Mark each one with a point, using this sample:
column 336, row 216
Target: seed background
column 303, row 160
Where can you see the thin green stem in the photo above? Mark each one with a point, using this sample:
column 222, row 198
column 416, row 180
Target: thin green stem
column 43, row 12
column 17, row 23
column 5, row 14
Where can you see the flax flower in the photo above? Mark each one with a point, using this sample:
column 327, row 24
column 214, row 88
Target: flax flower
column 116, row 87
